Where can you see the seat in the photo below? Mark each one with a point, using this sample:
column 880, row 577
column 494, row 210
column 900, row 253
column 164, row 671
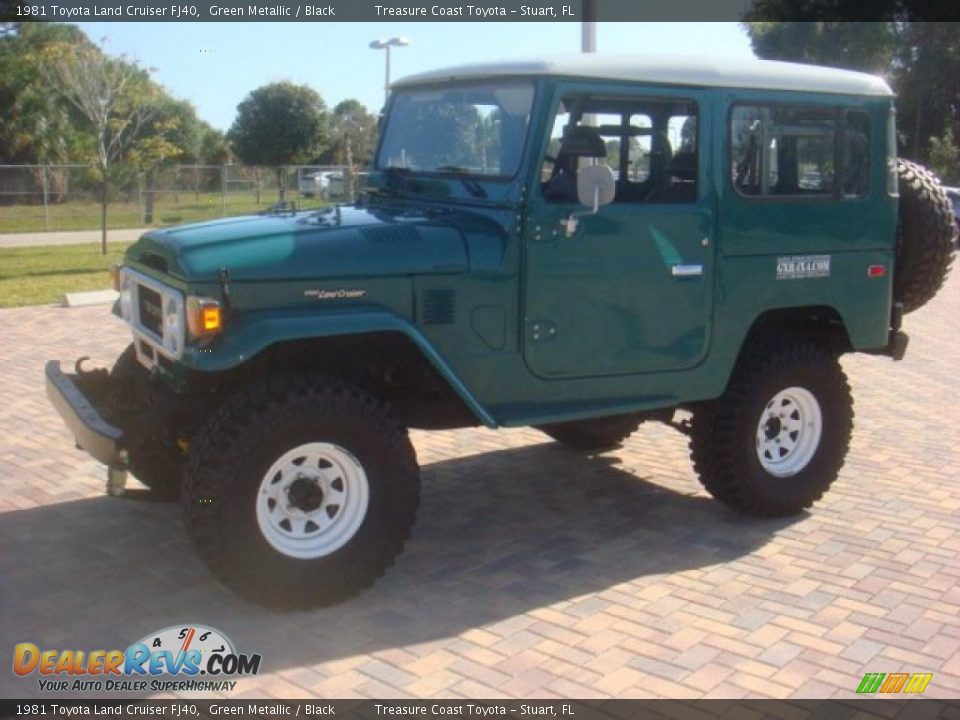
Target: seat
column 681, row 180
column 578, row 141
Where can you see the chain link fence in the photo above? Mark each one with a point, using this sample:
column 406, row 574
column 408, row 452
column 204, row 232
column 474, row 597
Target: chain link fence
column 38, row 198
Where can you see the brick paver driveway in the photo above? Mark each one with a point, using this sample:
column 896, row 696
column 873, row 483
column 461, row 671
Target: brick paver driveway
column 532, row 571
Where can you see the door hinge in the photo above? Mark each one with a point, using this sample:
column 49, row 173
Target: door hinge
column 542, row 330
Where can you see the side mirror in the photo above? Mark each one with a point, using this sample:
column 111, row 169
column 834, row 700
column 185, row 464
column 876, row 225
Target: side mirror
column 596, row 187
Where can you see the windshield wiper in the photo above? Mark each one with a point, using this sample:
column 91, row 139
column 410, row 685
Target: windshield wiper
column 471, row 186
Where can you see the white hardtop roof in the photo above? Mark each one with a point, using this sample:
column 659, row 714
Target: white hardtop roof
column 700, row 72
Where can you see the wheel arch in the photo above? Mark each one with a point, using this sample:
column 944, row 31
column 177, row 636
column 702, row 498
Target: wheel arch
column 821, row 323
column 358, row 345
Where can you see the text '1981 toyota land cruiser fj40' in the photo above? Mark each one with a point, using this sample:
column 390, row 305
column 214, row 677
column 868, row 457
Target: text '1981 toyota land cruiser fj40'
column 579, row 245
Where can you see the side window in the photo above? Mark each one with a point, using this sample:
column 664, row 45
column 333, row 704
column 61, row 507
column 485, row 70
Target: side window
column 855, row 177
column 782, row 151
column 650, row 145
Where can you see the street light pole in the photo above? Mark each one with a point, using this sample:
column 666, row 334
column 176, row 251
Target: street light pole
column 588, row 28
column 399, row 41
column 386, row 76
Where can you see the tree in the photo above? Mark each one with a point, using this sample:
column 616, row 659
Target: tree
column 280, row 124
column 354, row 131
column 351, row 124
column 865, row 46
column 927, row 80
column 213, row 147
column 945, row 156
column 172, row 134
column 921, row 59
column 114, row 96
column 35, row 126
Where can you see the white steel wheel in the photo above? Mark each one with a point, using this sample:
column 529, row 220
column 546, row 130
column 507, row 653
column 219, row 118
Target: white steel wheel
column 312, row 500
column 789, row 432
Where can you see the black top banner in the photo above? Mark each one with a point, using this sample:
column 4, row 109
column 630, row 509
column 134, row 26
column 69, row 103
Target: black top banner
column 470, row 11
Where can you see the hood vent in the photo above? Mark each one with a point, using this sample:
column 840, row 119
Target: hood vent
column 154, row 261
column 438, row 307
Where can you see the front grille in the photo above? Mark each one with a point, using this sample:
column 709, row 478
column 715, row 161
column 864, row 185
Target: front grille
column 155, row 313
column 150, row 307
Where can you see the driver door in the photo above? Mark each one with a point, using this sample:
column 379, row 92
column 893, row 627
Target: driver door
column 629, row 291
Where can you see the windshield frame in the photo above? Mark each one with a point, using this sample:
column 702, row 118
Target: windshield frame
column 471, row 82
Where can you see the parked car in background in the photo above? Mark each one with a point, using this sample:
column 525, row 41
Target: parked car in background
column 326, row 184
column 954, row 195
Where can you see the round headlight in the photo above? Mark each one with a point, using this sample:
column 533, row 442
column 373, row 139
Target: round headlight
column 171, row 325
column 126, row 299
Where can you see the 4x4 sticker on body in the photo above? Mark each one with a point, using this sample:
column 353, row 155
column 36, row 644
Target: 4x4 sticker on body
column 802, row 267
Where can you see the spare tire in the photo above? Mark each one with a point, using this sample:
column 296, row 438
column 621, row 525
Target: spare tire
column 924, row 236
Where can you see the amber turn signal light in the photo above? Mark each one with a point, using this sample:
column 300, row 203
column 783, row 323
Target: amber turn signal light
column 204, row 318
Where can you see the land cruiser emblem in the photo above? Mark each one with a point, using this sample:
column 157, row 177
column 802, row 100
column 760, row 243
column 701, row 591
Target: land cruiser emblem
column 341, row 294
column 798, row 267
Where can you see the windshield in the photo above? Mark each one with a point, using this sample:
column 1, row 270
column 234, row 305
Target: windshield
column 476, row 129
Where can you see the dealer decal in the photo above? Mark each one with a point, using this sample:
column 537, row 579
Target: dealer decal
column 802, row 267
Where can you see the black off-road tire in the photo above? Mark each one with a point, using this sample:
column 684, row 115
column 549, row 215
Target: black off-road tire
column 236, row 448
column 925, row 233
column 592, row 435
column 156, row 461
column 724, row 434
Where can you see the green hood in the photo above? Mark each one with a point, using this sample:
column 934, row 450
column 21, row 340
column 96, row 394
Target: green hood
column 339, row 242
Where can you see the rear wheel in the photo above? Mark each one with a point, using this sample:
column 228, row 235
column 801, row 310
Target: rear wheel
column 778, row 437
column 300, row 492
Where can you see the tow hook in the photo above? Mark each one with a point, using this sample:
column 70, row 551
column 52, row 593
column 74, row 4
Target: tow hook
column 79, row 369
column 94, row 382
column 117, row 476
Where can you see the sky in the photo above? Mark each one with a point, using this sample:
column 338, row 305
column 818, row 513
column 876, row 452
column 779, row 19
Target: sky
column 215, row 65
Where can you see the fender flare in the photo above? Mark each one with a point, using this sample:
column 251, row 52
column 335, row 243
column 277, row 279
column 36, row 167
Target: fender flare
column 255, row 332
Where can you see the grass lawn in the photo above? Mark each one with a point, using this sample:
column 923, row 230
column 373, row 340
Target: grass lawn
column 169, row 209
column 40, row 275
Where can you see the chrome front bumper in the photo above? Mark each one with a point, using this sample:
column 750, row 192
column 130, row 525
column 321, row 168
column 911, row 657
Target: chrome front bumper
column 93, row 434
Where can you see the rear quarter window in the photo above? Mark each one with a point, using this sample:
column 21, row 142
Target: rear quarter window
column 779, row 151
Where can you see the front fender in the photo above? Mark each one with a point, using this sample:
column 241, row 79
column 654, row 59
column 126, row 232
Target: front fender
column 255, row 332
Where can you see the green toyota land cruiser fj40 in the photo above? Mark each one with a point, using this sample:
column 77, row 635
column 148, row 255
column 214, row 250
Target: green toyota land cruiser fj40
column 579, row 245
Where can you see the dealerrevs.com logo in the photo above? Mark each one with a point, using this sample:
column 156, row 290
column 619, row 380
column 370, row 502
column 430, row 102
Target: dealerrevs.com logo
column 190, row 657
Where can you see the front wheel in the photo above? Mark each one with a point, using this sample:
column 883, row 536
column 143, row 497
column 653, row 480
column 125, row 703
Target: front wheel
column 776, row 440
column 300, row 492
column 156, row 460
